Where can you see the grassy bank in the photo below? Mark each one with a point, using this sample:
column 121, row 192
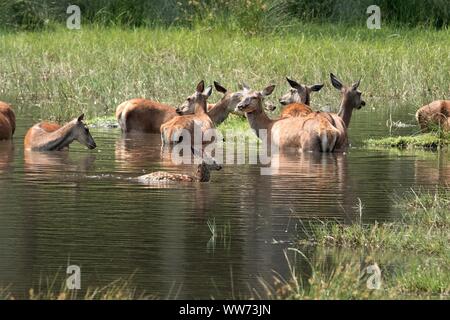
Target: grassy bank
column 57, row 74
column 428, row 141
column 412, row 254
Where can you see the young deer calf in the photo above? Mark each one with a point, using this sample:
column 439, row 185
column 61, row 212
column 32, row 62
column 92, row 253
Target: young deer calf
column 202, row 174
column 48, row 136
column 7, row 121
column 434, row 115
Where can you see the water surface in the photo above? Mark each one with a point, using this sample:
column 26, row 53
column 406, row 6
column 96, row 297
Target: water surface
column 83, row 207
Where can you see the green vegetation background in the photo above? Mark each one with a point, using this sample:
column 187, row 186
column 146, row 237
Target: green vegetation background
column 251, row 16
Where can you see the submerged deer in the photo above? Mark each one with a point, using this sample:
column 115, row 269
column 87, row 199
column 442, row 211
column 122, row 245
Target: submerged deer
column 219, row 111
column 172, row 131
column 434, row 115
column 297, row 100
column 48, row 136
column 309, row 133
column 7, row 121
column 201, row 175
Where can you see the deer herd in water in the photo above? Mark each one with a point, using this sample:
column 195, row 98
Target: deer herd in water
column 298, row 127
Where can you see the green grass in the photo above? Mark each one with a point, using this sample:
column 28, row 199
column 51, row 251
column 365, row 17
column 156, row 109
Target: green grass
column 57, row 74
column 412, row 252
column 423, row 228
column 429, row 141
column 49, row 290
column 246, row 16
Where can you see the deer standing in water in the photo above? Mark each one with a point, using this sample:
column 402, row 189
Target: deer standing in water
column 297, row 101
column 7, row 121
column 172, row 130
column 219, row 111
column 351, row 99
column 48, row 136
column 202, row 174
column 147, row 116
column 309, row 133
column 434, row 115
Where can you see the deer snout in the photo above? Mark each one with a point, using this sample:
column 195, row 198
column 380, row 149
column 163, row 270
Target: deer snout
column 363, row 103
column 282, row 102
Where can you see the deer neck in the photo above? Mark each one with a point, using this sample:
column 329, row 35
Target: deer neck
column 60, row 138
column 219, row 112
column 258, row 120
column 202, row 174
column 200, row 109
column 346, row 110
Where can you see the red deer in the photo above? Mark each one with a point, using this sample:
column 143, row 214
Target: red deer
column 202, row 174
column 434, row 115
column 172, row 131
column 309, row 133
column 147, row 116
column 297, row 100
column 7, row 121
column 48, row 136
column 219, row 111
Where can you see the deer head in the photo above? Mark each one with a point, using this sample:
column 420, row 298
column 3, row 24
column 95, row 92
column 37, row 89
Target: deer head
column 252, row 100
column 299, row 93
column 351, row 98
column 199, row 97
column 80, row 132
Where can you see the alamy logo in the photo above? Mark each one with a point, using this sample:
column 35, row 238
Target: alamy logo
column 74, row 20
column 374, row 20
column 74, row 279
column 374, row 280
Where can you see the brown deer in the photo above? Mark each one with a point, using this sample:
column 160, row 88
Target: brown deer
column 219, row 111
column 297, row 101
column 172, row 131
column 434, row 115
column 309, row 133
column 7, row 121
column 351, row 99
column 48, row 136
column 142, row 115
column 202, row 174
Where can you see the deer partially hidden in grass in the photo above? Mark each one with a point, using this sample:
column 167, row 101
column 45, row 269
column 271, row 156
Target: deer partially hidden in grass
column 297, row 101
column 48, row 136
column 7, row 121
column 309, row 133
column 435, row 115
column 201, row 175
column 173, row 131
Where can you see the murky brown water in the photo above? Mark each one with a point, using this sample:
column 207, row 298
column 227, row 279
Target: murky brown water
column 80, row 207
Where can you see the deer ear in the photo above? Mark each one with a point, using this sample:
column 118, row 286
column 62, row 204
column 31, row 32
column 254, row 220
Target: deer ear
column 356, row 84
column 208, row 91
column 244, row 86
column 80, row 118
column 219, row 87
column 201, row 86
column 316, row 87
column 335, row 82
column 294, row 84
column 268, row 90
